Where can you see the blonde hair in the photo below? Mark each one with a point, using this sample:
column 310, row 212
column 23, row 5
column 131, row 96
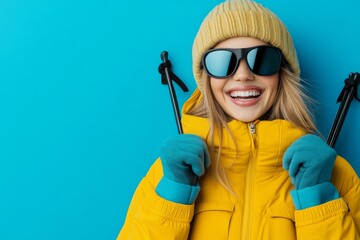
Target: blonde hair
column 291, row 104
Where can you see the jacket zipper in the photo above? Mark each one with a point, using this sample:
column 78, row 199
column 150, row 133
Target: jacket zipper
column 250, row 175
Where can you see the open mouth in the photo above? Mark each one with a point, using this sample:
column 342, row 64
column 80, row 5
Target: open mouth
column 245, row 95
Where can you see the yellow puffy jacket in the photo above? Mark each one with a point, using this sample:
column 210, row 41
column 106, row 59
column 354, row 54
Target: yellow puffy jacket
column 261, row 208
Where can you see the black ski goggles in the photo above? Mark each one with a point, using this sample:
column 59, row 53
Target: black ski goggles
column 261, row 60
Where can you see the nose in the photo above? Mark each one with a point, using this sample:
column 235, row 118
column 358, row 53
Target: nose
column 243, row 72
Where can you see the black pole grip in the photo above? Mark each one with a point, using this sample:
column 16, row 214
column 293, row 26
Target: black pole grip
column 164, row 57
column 347, row 95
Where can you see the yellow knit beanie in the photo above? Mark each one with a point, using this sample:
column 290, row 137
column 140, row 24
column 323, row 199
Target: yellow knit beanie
column 242, row 18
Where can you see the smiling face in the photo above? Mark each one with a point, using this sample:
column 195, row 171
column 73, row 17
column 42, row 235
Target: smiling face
column 244, row 96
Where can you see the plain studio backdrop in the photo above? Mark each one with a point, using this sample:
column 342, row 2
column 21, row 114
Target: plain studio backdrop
column 83, row 110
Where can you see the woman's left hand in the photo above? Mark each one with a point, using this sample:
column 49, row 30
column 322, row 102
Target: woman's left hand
column 309, row 161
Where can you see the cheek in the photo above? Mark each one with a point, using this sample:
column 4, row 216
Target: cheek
column 213, row 84
column 217, row 86
column 273, row 86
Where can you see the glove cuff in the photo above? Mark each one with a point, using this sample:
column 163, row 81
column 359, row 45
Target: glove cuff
column 314, row 195
column 177, row 192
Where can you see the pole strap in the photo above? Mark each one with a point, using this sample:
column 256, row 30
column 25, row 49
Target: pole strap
column 351, row 82
column 173, row 76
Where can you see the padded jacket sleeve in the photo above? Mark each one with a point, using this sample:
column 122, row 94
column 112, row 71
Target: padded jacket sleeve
column 152, row 217
column 337, row 219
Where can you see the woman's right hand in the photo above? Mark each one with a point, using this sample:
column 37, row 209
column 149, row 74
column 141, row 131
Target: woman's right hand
column 184, row 158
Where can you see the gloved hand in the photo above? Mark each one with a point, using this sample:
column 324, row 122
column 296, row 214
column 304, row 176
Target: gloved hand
column 184, row 157
column 309, row 161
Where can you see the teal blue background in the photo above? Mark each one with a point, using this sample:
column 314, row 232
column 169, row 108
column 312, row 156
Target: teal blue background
column 83, row 112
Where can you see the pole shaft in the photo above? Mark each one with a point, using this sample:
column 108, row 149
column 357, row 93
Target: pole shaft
column 340, row 117
column 174, row 101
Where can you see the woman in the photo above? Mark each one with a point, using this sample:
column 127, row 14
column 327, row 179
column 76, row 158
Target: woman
column 249, row 165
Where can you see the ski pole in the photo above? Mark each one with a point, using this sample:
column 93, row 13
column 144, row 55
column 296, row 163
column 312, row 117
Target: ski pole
column 166, row 78
column 348, row 93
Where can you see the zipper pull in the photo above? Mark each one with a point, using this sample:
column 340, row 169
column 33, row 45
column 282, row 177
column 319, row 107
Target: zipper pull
column 252, row 128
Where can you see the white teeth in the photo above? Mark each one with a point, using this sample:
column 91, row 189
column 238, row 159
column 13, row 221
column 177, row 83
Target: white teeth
column 251, row 93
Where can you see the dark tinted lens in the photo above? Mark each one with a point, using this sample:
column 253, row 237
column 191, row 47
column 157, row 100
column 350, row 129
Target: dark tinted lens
column 264, row 60
column 220, row 63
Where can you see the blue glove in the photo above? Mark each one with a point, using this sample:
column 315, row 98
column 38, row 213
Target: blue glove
column 310, row 162
column 184, row 158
